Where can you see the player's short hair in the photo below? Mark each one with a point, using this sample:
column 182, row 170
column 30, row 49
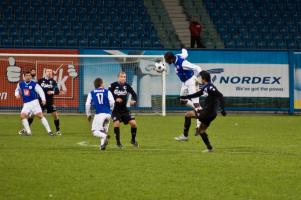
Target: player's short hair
column 26, row 72
column 98, row 82
column 169, row 57
column 205, row 76
column 119, row 73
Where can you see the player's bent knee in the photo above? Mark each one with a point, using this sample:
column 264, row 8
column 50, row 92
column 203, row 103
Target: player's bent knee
column 133, row 123
column 116, row 124
column 190, row 114
column 23, row 116
column 39, row 115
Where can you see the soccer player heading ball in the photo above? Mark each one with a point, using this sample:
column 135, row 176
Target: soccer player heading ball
column 187, row 73
column 121, row 113
column 209, row 111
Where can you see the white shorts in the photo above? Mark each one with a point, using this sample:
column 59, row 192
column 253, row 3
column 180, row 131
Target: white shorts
column 32, row 107
column 101, row 122
column 189, row 87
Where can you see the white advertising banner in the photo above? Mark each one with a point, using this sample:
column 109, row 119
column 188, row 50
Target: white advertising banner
column 250, row 80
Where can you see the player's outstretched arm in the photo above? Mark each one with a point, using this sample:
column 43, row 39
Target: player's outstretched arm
column 88, row 107
column 191, row 96
column 190, row 66
column 111, row 100
column 133, row 93
column 17, row 91
column 41, row 93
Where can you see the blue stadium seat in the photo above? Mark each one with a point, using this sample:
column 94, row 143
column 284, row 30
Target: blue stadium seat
column 50, row 20
column 62, row 42
column 269, row 19
column 94, row 43
column 104, row 43
column 18, row 43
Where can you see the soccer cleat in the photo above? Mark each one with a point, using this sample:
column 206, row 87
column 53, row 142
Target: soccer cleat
column 181, row 138
column 119, row 145
column 207, row 150
column 27, row 134
column 59, row 133
column 135, row 144
column 103, row 147
column 22, row 132
column 51, row 133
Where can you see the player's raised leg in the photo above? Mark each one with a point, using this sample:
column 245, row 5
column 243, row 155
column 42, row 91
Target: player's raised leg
column 202, row 131
column 100, row 127
column 187, row 123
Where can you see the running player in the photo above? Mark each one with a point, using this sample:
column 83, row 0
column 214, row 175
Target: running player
column 103, row 102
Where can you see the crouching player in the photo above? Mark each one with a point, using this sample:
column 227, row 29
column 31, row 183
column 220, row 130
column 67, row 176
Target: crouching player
column 30, row 91
column 103, row 102
column 209, row 111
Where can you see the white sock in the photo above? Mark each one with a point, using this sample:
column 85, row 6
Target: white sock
column 198, row 123
column 99, row 134
column 45, row 124
column 26, row 126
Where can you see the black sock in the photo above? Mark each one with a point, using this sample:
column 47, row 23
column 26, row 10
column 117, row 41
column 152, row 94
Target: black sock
column 117, row 134
column 187, row 124
column 206, row 140
column 133, row 131
column 57, row 124
column 30, row 120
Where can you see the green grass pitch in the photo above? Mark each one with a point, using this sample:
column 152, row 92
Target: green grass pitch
column 256, row 157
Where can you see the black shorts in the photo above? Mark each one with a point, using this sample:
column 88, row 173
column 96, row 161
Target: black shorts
column 124, row 117
column 49, row 107
column 205, row 117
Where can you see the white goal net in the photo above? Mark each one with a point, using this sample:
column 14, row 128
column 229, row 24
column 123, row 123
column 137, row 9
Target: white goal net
column 75, row 74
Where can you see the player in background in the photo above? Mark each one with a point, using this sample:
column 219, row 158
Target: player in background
column 33, row 75
column 187, row 73
column 213, row 101
column 30, row 91
column 30, row 115
column 121, row 113
column 50, row 89
column 103, row 102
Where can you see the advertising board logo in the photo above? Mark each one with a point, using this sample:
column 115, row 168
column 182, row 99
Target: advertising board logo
column 266, row 80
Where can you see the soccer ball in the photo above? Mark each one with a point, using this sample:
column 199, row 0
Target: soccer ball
column 159, row 67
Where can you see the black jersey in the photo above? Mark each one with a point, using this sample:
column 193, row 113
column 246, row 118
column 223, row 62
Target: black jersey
column 213, row 100
column 121, row 91
column 49, row 85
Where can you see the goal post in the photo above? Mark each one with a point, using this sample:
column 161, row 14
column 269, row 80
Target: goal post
column 75, row 74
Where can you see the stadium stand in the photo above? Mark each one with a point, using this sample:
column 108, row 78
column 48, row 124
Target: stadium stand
column 260, row 24
column 76, row 24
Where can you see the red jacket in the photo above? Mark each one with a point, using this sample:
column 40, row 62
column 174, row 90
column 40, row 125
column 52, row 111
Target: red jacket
column 195, row 29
